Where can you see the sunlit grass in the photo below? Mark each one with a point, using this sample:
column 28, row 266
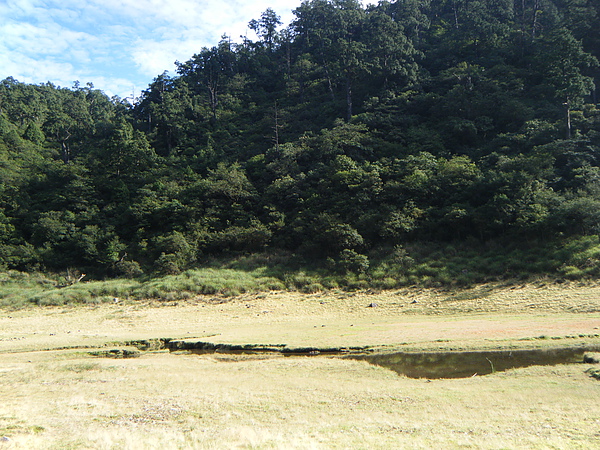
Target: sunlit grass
column 206, row 281
column 18, row 290
column 244, row 402
column 86, row 397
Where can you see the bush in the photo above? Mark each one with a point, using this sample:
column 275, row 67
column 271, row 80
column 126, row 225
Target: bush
column 129, row 269
column 572, row 272
column 167, row 264
column 350, row 261
column 312, row 288
column 386, row 283
column 299, row 280
column 177, row 253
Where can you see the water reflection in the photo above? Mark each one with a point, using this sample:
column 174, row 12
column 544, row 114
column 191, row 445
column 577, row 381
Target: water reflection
column 463, row 364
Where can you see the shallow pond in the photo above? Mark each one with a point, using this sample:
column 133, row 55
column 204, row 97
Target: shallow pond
column 426, row 364
column 463, row 364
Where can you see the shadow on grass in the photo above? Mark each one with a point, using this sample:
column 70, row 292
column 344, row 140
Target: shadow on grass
column 422, row 264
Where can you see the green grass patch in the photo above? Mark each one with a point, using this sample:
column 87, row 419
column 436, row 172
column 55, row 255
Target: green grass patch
column 426, row 264
column 18, row 290
column 81, row 367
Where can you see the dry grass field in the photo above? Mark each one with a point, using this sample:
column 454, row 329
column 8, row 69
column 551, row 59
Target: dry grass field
column 56, row 395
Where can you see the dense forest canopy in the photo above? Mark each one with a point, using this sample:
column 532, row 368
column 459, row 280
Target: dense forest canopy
column 342, row 137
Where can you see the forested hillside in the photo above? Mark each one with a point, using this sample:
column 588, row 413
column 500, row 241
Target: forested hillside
column 359, row 140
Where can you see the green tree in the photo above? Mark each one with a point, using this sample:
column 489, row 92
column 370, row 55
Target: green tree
column 127, row 154
column 562, row 60
column 351, row 43
column 266, row 27
column 209, row 71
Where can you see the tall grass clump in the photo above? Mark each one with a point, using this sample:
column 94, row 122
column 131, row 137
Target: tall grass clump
column 18, row 289
column 92, row 292
column 581, row 257
column 471, row 262
column 206, row 281
column 427, row 264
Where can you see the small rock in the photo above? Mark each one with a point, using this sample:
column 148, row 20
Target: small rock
column 4, row 439
column 414, row 301
column 594, row 373
column 373, row 305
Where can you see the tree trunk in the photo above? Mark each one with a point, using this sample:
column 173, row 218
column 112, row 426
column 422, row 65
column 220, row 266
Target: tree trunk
column 534, row 22
column 455, row 10
column 348, row 99
column 213, row 98
column 329, row 83
column 568, row 104
column 276, row 128
column 66, row 152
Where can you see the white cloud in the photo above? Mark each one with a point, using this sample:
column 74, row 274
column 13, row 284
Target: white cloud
column 23, row 7
column 191, row 28
column 34, row 70
column 117, row 44
column 121, row 87
column 49, row 40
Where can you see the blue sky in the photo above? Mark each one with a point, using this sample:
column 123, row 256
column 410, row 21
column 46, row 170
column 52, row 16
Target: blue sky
column 118, row 45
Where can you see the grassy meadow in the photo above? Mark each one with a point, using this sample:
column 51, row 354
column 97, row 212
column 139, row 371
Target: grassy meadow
column 158, row 401
column 57, row 395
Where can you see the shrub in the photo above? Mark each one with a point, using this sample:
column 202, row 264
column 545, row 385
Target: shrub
column 352, row 261
column 312, row 288
column 167, row 264
column 299, row 280
column 129, row 269
column 572, row 272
